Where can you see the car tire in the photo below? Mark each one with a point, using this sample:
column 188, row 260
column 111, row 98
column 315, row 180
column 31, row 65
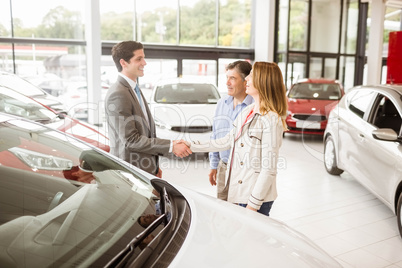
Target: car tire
column 399, row 213
column 330, row 157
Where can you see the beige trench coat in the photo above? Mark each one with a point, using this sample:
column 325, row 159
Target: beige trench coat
column 252, row 178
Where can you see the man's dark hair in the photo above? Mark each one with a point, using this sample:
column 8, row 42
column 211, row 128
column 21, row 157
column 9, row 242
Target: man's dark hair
column 124, row 50
column 139, row 222
column 242, row 67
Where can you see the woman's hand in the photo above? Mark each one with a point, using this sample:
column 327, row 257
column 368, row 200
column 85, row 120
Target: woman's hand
column 250, row 208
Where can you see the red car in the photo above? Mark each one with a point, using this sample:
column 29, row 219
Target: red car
column 17, row 104
column 309, row 104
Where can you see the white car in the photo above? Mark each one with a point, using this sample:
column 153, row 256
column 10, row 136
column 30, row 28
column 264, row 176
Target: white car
column 363, row 137
column 183, row 109
column 65, row 203
column 76, row 100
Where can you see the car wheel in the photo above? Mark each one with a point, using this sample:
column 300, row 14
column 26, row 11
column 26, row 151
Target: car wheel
column 399, row 214
column 330, row 157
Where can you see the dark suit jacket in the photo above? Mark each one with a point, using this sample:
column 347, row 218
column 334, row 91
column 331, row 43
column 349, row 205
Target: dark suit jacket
column 132, row 137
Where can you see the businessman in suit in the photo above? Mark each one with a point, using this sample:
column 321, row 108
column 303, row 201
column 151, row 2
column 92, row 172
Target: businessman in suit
column 131, row 128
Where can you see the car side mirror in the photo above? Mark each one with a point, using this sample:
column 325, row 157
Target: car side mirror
column 386, row 134
column 61, row 115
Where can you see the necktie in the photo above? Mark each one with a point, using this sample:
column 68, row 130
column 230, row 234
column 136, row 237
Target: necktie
column 137, row 91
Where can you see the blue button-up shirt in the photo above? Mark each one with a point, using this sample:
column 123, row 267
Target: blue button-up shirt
column 223, row 123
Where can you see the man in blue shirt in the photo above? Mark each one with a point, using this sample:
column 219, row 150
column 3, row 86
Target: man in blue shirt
column 227, row 109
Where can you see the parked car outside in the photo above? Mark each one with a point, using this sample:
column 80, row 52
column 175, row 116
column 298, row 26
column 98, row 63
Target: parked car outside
column 75, row 99
column 14, row 103
column 22, row 86
column 309, row 103
column 363, row 137
column 183, row 109
column 65, row 203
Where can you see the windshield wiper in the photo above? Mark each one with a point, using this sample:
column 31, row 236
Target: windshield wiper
column 120, row 260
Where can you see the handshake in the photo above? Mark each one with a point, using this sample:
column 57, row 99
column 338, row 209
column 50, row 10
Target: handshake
column 181, row 148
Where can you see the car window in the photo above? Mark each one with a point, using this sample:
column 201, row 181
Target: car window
column 386, row 115
column 359, row 100
column 12, row 102
column 187, row 93
column 60, row 197
column 319, row 91
column 20, row 85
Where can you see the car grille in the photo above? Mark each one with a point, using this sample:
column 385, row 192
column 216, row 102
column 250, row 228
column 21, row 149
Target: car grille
column 309, row 117
column 193, row 129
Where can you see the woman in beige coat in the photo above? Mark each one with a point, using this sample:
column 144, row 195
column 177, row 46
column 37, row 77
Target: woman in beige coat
column 255, row 141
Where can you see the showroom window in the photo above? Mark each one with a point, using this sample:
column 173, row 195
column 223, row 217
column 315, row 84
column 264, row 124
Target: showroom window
column 117, row 19
column 316, row 38
column 235, row 23
column 54, row 19
column 192, row 22
column 325, row 18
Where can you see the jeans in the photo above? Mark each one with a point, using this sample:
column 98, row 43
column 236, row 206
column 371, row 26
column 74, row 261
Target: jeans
column 264, row 209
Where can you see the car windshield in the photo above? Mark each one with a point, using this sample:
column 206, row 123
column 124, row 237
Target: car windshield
column 63, row 203
column 12, row 102
column 190, row 93
column 318, row 91
column 20, row 85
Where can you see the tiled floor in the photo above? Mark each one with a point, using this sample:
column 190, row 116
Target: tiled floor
column 336, row 212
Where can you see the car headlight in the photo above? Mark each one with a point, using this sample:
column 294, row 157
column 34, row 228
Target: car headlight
column 37, row 160
column 161, row 124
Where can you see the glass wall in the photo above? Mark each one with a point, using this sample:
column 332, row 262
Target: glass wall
column 190, row 22
column 5, row 19
column 347, row 67
column 198, row 22
column 117, row 19
column 325, row 21
column 298, row 24
column 235, row 23
column 53, row 19
column 157, row 21
column 51, row 46
column 350, row 23
column 315, row 44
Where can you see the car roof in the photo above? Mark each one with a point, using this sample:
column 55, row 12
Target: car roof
column 181, row 80
column 317, row 81
column 384, row 87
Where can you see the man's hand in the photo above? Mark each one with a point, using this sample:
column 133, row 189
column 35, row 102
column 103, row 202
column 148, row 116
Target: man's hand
column 159, row 174
column 83, row 176
column 181, row 148
column 212, row 176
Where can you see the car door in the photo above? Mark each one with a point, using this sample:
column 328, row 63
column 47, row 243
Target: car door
column 382, row 169
column 354, row 131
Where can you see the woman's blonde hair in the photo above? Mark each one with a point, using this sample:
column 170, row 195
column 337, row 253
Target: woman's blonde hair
column 268, row 80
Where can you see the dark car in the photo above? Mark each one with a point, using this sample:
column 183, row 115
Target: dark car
column 309, row 103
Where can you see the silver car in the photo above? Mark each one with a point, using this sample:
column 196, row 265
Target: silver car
column 65, row 203
column 363, row 137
